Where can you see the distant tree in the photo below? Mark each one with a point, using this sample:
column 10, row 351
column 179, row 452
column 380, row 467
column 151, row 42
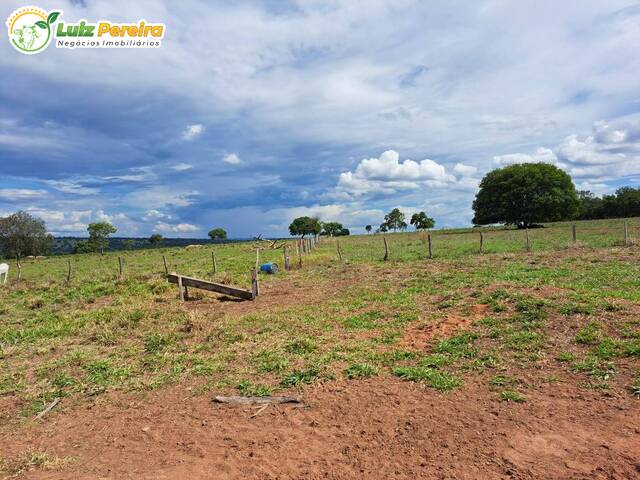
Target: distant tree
column 344, row 232
column 421, row 221
column 331, row 229
column 625, row 202
column 305, row 226
column 368, row 228
column 218, row 234
column 394, row 220
column 156, row 239
column 83, row 246
column 525, row 194
column 22, row 234
column 383, row 228
column 99, row 235
column 128, row 244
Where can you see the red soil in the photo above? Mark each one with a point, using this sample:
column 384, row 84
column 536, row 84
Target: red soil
column 376, row 428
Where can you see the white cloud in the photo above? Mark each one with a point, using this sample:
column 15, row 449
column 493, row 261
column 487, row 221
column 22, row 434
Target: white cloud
column 70, row 186
column 388, row 175
column 464, row 170
column 176, row 228
column 181, row 167
column 152, row 215
column 192, row 131
column 540, row 155
column 611, row 151
column 21, row 193
column 232, row 159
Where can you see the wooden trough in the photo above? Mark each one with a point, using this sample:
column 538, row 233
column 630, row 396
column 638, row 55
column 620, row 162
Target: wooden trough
column 185, row 282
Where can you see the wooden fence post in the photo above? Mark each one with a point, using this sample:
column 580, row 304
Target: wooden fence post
column 181, row 288
column 430, row 246
column 297, row 247
column 19, row 268
column 257, row 257
column 214, row 264
column 166, row 268
column 255, row 286
column 338, row 250
column 626, row 233
column 481, row 242
column 386, row 249
column 287, row 261
column 574, row 234
column 69, row 272
column 120, row 268
column 526, row 231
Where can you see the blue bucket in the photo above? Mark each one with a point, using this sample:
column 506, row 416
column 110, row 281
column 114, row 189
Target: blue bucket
column 269, row 268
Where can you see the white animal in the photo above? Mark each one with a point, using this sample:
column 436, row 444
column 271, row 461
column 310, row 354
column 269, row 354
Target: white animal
column 4, row 271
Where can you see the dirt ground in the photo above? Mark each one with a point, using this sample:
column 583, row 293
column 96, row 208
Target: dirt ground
column 374, row 428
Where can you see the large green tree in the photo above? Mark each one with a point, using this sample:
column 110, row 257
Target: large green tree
column 156, row 239
column 22, row 234
column 305, row 226
column 331, row 229
column 394, row 220
column 99, row 235
column 524, row 194
column 218, row 234
column 421, row 221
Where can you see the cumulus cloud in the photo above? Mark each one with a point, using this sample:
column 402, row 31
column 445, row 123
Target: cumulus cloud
column 232, row 159
column 612, row 150
column 175, row 228
column 387, row 175
column 192, row 131
column 464, row 170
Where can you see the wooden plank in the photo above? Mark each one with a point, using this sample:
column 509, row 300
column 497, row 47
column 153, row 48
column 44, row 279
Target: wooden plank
column 209, row 286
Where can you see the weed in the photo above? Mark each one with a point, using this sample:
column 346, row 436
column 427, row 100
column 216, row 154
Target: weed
column 503, row 381
column 439, row 380
column 589, row 334
column 511, row 396
column 269, row 361
column 249, row 389
column 360, row 370
column 156, row 342
column 565, row 357
column 301, row 346
column 299, row 377
column 362, row 321
column 458, row 346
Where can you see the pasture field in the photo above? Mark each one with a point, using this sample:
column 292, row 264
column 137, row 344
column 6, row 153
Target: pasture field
column 537, row 352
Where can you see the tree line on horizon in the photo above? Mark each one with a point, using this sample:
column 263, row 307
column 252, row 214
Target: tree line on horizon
column 522, row 195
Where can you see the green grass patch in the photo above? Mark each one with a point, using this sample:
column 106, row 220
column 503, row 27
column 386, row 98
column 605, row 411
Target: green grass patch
column 437, row 379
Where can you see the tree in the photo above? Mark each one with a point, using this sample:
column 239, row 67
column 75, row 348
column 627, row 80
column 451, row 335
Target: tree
column 343, row 232
column 99, row 235
column 128, row 244
column 368, row 228
column 156, row 239
column 331, row 229
column 394, row 220
column 421, row 221
column 624, row 203
column 218, row 234
column 383, row 228
column 525, row 194
column 305, row 226
column 22, row 234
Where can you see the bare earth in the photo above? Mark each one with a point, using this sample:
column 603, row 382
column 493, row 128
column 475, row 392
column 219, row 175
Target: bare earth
column 375, row 428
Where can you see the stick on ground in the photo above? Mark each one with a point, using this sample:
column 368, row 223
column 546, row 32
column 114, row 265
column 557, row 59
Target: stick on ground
column 41, row 415
column 257, row 400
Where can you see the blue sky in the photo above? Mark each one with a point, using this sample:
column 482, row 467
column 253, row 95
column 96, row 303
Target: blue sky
column 253, row 113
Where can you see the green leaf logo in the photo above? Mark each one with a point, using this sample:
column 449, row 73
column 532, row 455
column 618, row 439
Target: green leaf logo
column 53, row 16
column 41, row 24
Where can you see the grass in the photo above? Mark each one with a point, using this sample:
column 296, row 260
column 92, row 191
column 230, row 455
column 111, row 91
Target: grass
column 511, row 396
column 358, row 318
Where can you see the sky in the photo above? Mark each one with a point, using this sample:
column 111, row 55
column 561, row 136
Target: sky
column 252, row 113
